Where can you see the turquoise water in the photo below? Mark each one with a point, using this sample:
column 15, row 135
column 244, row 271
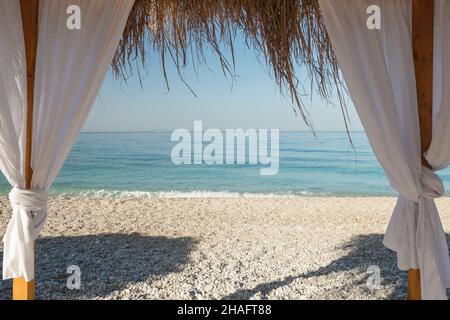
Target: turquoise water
column 139, row 164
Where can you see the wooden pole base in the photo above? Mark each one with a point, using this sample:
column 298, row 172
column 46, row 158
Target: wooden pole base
column 414, row 292
column 23, row 290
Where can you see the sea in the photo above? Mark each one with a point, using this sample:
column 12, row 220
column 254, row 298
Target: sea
column 140, row 165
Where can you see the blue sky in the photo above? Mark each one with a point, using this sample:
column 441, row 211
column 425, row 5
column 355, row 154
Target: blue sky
column 252, row 100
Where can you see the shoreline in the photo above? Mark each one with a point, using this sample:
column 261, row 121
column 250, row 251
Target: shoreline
column 126, row 194
column 215, row 248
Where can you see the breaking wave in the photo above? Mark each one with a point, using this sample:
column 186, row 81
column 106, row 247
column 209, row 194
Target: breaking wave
column 181, row 194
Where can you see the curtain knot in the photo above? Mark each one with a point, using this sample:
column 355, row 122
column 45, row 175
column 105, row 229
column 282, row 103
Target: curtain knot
column 32, row 199
column 432, row 186
column 27, row 221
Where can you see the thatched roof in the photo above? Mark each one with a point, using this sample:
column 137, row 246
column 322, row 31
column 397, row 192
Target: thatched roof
column 288, row 34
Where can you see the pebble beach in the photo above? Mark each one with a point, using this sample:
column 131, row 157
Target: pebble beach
column 217, row 248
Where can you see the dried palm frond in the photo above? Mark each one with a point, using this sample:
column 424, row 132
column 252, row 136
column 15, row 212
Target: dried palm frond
column 288, row 34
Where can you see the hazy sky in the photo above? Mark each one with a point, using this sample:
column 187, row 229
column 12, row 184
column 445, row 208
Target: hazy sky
column 250, row 101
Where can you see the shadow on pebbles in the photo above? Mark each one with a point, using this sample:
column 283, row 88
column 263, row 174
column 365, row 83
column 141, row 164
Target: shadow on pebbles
column 113, row 266
column 108, row 263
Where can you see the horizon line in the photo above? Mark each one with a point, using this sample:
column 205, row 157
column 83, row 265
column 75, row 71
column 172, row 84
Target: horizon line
column 170, row 130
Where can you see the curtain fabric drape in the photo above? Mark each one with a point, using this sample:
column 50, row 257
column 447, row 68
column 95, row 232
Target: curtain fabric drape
column 378, row 67
column 70, row 68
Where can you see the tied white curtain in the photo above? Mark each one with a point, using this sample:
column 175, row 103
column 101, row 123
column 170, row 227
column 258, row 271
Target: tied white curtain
column 70, row 68
column 378, row 68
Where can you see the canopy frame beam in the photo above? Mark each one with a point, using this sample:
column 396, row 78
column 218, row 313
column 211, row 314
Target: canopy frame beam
column 422, row 42
column 23, row 290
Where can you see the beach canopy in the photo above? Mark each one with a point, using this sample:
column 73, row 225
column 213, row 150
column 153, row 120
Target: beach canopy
column 396, row 76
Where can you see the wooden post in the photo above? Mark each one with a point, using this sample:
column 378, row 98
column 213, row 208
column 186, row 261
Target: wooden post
column 422, row 39
column 23, row 290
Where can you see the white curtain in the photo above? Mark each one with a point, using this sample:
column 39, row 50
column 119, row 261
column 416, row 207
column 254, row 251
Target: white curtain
column 70, row 68
column 378, row 68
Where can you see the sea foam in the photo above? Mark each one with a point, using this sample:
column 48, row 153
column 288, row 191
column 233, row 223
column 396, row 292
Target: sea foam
column 181, row 194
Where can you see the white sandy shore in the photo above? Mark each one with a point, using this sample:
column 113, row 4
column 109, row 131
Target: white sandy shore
column 213, row 248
